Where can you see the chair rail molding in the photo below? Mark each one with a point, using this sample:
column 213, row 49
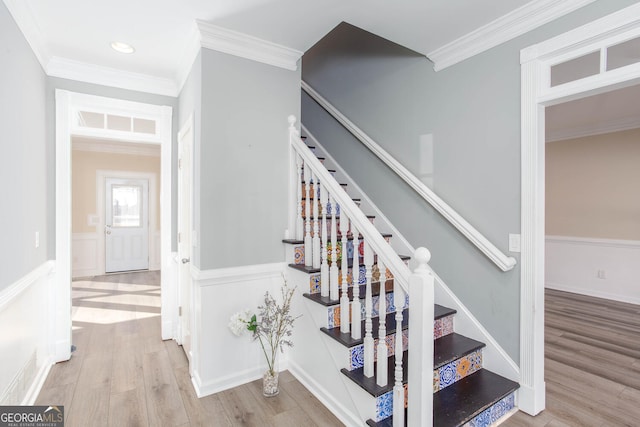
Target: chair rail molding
column 504, row 262
column 537, row 93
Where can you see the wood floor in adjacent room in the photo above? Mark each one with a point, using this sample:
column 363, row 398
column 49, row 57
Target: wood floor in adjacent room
column 592, row 363
column 123, row 374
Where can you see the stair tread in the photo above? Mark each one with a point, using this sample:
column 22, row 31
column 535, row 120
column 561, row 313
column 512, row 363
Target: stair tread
column 446, row 349
column 453, row 346
column 462, row 401
column 327, row 302
column 370, row 385
column 347, row 341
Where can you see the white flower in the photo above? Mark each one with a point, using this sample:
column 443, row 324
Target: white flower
column 239, row 321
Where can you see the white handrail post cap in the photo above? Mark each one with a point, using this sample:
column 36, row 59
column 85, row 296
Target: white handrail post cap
column 423, row 256
column 292, row 120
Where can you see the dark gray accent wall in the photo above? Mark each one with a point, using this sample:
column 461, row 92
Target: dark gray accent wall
column 23, row 171
column 472, row 111
column 54, row 83
column 243, row 160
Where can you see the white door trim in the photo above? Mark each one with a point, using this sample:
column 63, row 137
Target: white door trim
column 101, row 176
column 537, row 94
column 66, row 103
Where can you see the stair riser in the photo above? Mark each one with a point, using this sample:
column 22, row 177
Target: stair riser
column 448, row 374
column 495, row 413
column 333, row 313
column 315, row 282
column 356, row 354
column 312, row 222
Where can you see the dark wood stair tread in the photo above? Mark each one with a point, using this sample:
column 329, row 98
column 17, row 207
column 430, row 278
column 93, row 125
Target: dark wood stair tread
column 347, row 341
column 464, row 400
column 446, row 349
column 370, row 385
column 441, row 311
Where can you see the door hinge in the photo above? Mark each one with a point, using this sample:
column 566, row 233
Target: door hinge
column 179, row 237
column 180, row 311
column 179, row 163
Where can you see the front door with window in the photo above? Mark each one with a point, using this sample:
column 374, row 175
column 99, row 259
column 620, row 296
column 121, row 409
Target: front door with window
column 126, row 225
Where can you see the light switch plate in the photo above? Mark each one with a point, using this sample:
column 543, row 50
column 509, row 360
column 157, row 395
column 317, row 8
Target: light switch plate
column 514, row 243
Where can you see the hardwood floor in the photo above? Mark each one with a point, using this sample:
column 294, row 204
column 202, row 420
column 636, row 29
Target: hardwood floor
column 123, row 374
column 592, row 363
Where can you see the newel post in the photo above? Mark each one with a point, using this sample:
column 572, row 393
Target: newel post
column 421, row 300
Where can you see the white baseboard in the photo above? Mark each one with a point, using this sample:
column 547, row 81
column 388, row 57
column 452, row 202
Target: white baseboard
column 602, row 268
column 324, row 396
column 38, row 382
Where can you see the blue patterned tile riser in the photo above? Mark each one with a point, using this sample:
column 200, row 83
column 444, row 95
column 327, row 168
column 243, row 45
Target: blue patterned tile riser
column 454, row 371
column 384, row 405
column 333, row 319
column 356, row 354
column 299, row 255
column 314, row 284
column 494, row 413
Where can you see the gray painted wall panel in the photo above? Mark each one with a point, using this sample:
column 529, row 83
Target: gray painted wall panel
column 23, row 171
column 472, row 110
column 244, row 160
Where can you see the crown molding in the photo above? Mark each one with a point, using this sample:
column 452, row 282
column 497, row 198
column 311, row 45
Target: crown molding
column 192, row 49
column 611, row 126
column 23, row 16
column 96, row 74
column 246, row 46
column 520, row 21
column 115, row 147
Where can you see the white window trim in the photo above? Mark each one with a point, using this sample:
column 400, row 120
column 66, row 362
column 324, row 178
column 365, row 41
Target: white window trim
column 536, row 95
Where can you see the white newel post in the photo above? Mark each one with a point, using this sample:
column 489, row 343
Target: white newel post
column 344, row 298
column 382, row 374
column 421, row 339
column 368, row 308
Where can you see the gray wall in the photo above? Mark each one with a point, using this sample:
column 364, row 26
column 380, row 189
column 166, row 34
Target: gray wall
column 472, row 109
column 243, row 160
column 54, row 83
column 23, row 170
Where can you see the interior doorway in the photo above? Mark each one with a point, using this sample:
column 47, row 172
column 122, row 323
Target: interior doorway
column 121, row 121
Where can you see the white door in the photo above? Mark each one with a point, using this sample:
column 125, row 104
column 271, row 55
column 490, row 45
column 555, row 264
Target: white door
column 185, row 200
column 126, row 225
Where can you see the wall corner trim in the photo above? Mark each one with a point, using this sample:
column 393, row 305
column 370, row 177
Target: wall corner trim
column 248, row 47
column 520, row 21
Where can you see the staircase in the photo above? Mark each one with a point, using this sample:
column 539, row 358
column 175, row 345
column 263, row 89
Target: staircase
column 357, row 290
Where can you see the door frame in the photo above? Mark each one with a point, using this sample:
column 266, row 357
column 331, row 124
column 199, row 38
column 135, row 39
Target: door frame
column 101, row 179
column 66, row 103
column 186, row 171
column 537, row 93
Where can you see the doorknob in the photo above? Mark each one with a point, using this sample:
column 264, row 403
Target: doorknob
column 108, row 232
column 185, row 260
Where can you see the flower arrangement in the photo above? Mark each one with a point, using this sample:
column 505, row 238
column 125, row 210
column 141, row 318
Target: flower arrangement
column 272, row 326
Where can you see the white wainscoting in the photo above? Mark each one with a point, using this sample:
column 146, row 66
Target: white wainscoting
column 222, row 360
column 25, row 342
column 597, row 267
column 88, row 255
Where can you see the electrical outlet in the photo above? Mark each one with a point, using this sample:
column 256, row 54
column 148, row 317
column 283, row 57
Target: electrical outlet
column 602, row 274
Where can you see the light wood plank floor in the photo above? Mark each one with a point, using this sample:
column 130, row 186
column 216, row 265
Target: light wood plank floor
column 123, row 374
column 592, row 363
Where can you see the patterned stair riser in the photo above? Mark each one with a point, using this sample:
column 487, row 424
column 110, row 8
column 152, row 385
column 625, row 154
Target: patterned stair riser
column 384, row 404
column 333, row 313
column 494, row 413
column 454, row 371
column 356, row 354
column 312, row 225
column 441, row 327
column 315, row 283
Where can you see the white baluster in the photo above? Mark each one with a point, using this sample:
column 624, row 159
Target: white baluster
column 344, row 299
column 316, row 220
column 324, row 267
column 356, row 305
column 382, row 371
column 398, row 388
column 299, row 198
column 308, row 247
column 334, row 290
column 368, row 308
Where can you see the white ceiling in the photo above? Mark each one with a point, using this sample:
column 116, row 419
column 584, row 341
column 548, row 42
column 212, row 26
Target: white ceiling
column 164, row 32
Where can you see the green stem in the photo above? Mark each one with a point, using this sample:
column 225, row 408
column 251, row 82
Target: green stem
column 266, row 356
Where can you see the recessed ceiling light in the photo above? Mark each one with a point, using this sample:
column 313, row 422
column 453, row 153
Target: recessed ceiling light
column 122, row 47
